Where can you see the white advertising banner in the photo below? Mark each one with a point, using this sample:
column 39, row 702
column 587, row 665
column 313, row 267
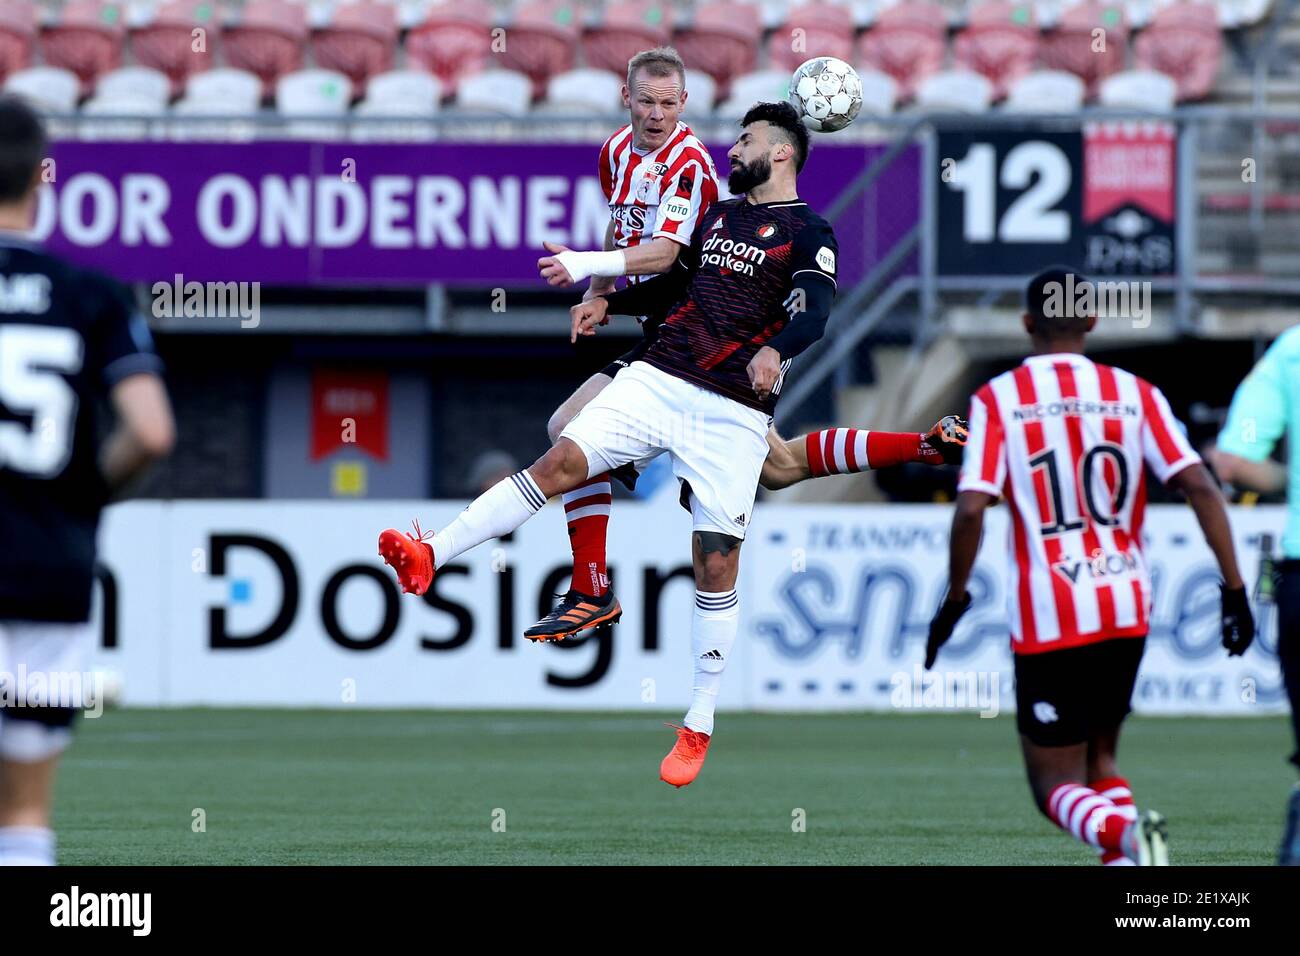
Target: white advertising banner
column 288, row 604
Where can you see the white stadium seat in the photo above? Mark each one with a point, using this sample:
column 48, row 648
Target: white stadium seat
column 583, row 91
column 420, row 91
column 955, row 91
column 47, row 87
column 496, row 91
column 138, row 83
column 1046, row 91
column 750, row 88
column 195, row 127
column 1138, row 90
column 313, row 93
column 701, row 91
column 1242, row 13
column 879, row 92
column 235, row 91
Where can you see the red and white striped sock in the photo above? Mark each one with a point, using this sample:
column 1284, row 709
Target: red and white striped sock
column 1087, row 815
column 586, row 509
column 1117, row 791
column 843, row 451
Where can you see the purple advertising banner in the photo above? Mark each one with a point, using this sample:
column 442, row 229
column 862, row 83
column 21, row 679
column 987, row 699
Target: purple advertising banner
column 307, row 213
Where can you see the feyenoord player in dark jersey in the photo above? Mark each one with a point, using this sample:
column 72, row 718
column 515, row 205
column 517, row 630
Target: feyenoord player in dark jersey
column 1067, row 441
column 750, row 293
column 68, row 340
column 659, row 179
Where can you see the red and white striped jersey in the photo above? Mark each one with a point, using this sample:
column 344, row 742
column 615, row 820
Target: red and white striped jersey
column 656, row 194
column 1064, row 440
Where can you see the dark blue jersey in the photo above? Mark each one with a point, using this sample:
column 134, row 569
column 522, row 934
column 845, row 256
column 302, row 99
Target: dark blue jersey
column 751, row 269
column 67, row 336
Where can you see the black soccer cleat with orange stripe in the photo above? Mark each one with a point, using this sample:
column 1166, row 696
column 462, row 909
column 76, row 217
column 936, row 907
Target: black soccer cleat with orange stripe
column 575, row 612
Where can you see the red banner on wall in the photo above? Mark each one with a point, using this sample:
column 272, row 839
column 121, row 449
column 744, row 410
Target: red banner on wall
column 1128, row 163
column 349, row 408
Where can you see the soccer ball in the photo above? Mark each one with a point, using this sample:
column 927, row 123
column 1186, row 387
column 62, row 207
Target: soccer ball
column 827, row 93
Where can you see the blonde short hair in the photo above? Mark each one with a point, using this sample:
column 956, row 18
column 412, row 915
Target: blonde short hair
column 661, row 61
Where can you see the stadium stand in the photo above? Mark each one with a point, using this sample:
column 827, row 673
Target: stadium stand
column 958, row 91
column 1072, row 45
column 268, row 40
column 627, row 27
column 543, row 41
column 166, row 40
column 1001, row 44
column 359, row 41
column 907, row 43
column 724, row 38
column 820, row 29
column 583, row 91
column 17, row 36
column 452, row 42
column 1207, row 48
column 1046, row 91
column 87, row 38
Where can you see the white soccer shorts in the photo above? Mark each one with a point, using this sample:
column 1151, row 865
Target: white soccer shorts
column 716, row 444
column 46, row 654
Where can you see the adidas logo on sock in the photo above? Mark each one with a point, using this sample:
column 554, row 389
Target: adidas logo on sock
column 713, row 655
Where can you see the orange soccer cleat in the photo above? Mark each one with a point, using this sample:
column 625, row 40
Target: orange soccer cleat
column 683, row 763
column 410, row 556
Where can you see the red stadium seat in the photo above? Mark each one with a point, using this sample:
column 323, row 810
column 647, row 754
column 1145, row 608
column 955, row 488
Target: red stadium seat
column 17, row 36
column 358, row 42
column 1184, row 42
column 167, row 44
column 87, row 39
column 1000, row 43
column 543, row 41
column 908, row 43
column 723, row 40
column 628, row 27
column 267, row 41
column 453, row 42
column 827, row 30
column 1070, row 46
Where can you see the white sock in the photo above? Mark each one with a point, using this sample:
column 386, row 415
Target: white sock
column 713, row 633
column 499, row 510
column 26, row 846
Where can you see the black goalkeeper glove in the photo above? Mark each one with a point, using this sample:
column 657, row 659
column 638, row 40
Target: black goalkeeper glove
column 941, row 628
column 1238, row 625
column 948, row 438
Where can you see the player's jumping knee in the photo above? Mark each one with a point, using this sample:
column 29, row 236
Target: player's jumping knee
column 561, row 469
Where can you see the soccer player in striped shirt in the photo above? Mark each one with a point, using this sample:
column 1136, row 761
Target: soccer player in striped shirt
column 1064, row 440
column 658, row 180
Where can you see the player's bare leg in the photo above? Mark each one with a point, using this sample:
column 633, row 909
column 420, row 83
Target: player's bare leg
column 716, row 560
column 26, row 795
column 1105, row 778
column 499, row 510
column 1089, row 816
column 589, row 602
column 843, row 451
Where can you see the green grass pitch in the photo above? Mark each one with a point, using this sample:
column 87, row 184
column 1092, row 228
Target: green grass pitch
column 424, row 787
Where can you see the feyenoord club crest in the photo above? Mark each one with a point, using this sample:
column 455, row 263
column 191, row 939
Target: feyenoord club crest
column 766, row 231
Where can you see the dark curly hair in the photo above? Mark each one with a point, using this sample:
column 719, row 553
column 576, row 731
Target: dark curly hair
column 784, row 117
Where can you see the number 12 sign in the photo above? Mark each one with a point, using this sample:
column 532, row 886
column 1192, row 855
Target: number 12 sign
column 1009, row 202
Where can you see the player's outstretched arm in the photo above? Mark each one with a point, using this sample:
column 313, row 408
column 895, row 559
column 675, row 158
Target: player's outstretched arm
column 1238, row 626
column 145, row 430
column 565, row 267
